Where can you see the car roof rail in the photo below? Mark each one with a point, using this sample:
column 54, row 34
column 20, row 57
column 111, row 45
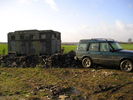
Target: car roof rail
column 102, row 39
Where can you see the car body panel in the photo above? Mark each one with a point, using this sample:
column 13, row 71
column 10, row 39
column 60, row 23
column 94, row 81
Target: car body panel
column 111, row 57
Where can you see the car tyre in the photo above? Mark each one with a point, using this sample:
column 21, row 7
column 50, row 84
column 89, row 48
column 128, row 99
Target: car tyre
column 87, row 62
column 126, row 65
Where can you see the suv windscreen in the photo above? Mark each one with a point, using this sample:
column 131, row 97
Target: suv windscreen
column 115, row 46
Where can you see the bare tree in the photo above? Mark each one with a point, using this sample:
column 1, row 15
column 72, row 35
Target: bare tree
column 129, row 40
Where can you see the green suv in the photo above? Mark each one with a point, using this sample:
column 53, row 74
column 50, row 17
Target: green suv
column 104, row 52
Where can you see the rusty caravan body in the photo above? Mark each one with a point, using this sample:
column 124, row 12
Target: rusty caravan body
column 34, row 42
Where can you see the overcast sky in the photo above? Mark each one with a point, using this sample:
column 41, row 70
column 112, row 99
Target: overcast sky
column 75, row 19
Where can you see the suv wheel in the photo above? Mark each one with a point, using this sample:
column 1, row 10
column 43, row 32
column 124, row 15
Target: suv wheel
column 126, row 65
column 87, row 62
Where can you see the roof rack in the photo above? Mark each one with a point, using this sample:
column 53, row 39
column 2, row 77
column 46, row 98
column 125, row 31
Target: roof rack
column 102, row 39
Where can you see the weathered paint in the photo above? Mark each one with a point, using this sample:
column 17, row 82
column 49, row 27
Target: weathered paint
column 34, row 42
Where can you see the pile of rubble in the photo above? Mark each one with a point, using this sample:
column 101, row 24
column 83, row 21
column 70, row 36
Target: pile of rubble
column 56, row 60
column 55, row 92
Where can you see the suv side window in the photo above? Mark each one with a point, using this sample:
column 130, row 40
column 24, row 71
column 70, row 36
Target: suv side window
column 104, row 47
column 82, row 47
column 94, row 47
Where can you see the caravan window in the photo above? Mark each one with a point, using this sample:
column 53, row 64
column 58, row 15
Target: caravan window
column 12, row 37
column 43, row 36
column 31, row 36
column 21, row 37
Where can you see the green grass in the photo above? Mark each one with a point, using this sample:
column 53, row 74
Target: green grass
column 127, row 46
column 67, row 48
column 3, row 49
column 25, row 82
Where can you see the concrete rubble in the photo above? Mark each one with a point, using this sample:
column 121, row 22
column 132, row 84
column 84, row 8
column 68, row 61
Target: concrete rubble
column 56, row 60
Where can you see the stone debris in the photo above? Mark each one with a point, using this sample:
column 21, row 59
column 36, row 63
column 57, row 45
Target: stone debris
column 63, row 97
column 56, row 92
column 62, row 60
column 56, row 60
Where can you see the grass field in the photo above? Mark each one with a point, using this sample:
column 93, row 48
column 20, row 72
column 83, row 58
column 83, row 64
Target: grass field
column 97, row 84
column 127, row 46
column 3, row 48
column 67, row 48
column 77, row 83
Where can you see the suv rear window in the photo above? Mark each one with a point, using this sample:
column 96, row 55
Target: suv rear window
column 94, row 47
column 82, row 47
column 104, row 47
